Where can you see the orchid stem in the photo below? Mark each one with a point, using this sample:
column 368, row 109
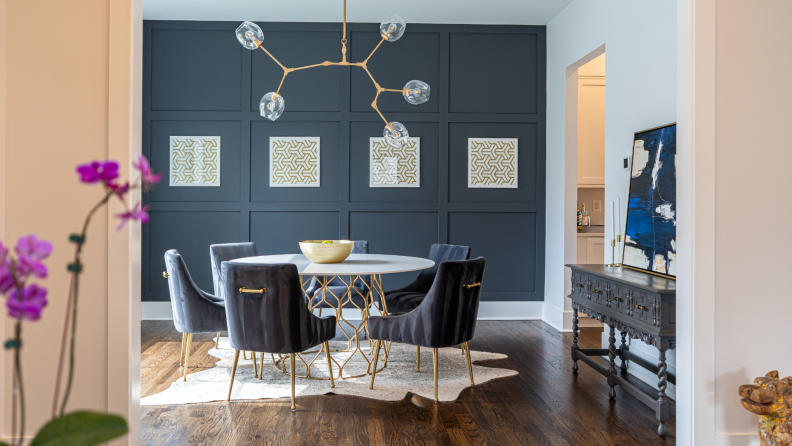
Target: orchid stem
column 18, row 364
column 73, row 302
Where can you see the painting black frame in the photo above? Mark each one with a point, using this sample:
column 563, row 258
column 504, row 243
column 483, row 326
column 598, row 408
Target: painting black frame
column 629, row 194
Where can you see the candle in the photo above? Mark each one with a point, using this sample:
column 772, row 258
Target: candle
column 618, row 215
column 613, row 222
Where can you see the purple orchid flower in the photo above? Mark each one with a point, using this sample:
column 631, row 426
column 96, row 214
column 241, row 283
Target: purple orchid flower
column 104, row 171
column 6, row 277
column 136, row 213
column 146, row 174
column 30, row 252
column 29, row 306
column 119, row 190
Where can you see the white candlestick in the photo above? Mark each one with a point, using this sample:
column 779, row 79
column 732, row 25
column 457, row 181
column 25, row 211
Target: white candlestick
column 618, row 215
column 613, row 222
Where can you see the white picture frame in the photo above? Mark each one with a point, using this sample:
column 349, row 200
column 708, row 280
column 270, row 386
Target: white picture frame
column 391, row 167
column 492, row 163
column 295, row 161
column 194, row 161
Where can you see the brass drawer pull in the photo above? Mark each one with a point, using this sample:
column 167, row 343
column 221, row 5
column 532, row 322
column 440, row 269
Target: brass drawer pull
column 165, row 274
column 618, row 298
column 472, row 285
column 579, row 285
column 641, row 307
column 259, row 291
column 597, row 292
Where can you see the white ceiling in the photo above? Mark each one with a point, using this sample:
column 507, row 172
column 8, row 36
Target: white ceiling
column 490, row 12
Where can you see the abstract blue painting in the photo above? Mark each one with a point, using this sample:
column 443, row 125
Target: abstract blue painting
column 650, row 233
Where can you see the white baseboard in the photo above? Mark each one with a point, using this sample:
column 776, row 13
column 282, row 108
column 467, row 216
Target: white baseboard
column 488, row 311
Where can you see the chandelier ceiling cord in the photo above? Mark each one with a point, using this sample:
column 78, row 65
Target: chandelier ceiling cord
column 272, row 104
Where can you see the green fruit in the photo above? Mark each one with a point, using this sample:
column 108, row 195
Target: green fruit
column 327, row 242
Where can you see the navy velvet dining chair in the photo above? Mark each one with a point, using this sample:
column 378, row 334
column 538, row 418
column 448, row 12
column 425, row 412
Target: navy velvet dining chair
column 224, row 252
column 409, row 297
column 445, row 318
column 266, row 313
column 194, row 310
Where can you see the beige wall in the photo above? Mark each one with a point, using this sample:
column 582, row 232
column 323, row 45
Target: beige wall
column 734, row 106
column 64, row 110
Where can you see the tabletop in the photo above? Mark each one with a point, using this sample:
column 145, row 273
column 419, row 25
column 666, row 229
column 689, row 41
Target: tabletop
column 354, row 264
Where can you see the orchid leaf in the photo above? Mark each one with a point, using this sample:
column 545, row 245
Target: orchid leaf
column 81, row 428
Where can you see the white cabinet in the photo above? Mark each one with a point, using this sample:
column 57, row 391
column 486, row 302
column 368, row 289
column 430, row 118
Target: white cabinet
column 591, row 248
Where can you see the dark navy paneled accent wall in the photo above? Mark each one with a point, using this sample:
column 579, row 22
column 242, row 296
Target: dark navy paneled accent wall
column 486, row 82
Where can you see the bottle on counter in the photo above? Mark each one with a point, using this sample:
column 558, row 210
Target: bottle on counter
column 579, row 219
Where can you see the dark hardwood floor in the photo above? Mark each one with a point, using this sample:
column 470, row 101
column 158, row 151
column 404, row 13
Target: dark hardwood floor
column 546, row 404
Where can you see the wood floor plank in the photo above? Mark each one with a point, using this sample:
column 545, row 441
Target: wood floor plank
column 545, row 404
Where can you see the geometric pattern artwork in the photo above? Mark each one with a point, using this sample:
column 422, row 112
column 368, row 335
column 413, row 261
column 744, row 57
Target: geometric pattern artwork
column 392, row 167
column 195, row 161
column 492, row 162
column 294, row 161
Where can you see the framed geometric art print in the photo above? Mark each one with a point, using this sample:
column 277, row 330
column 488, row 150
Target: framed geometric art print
column 492, row 163
column 391, row 167
column 650, row 231
column 194, row 161
column 294, row 161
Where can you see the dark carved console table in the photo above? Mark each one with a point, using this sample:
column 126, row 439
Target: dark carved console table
column 639, row 305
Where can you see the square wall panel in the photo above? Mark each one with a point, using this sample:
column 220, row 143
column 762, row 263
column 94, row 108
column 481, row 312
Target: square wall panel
column 494, row 73
column 230, row 152
column 508, row 241
column 359, row 189
column 195, row 70
column 260, row 134
column 314, row 89
column 190, row 233
column 528, row 171
column 414, row 56
column 281, row 232
column 396, row 233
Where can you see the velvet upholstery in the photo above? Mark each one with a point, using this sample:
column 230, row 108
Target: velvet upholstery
column 409, row 297
column 194, row 311
column 446, row 317
column 225, row 252
column 337, row 286
column 277, row 321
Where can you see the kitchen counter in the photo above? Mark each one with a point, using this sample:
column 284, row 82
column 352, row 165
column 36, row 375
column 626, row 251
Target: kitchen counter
column 592, row 231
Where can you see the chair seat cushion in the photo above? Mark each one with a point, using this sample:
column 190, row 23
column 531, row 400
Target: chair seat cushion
column 403, row 302
column 339, row 291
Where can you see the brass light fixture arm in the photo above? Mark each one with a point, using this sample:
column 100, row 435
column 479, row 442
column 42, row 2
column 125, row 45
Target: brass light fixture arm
column 343, row 62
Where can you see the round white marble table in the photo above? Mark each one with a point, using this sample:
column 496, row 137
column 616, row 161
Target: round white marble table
column 349, row 272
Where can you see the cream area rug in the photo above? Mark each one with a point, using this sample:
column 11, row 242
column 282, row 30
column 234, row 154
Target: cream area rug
column 391, row 384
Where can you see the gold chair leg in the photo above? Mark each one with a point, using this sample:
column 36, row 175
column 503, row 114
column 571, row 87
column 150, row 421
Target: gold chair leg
column 244, row 355
column 329, row 364
column 434, row 357
column 320, row 311
column 292, row 382
column 462, row 347
column 374, row 370
column 184, row 343
column 233, row 374
column 217, row 342
column 470, row 367
column 255, row 365
column 261, row 365
column 187, row 356
column 418, row 358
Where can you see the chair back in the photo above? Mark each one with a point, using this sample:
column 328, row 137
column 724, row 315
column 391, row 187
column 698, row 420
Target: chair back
column 194, row 311
column 440, row 253
column 225, row 252
column 450, row 309
column 275, row 321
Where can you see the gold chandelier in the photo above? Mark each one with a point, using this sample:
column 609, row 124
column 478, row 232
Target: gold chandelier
column 272, row 104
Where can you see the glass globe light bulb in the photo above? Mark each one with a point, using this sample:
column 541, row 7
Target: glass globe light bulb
column 396, row 134
column 250, row 35
column 416, row 92
column 272, row 106
column 393, row 28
